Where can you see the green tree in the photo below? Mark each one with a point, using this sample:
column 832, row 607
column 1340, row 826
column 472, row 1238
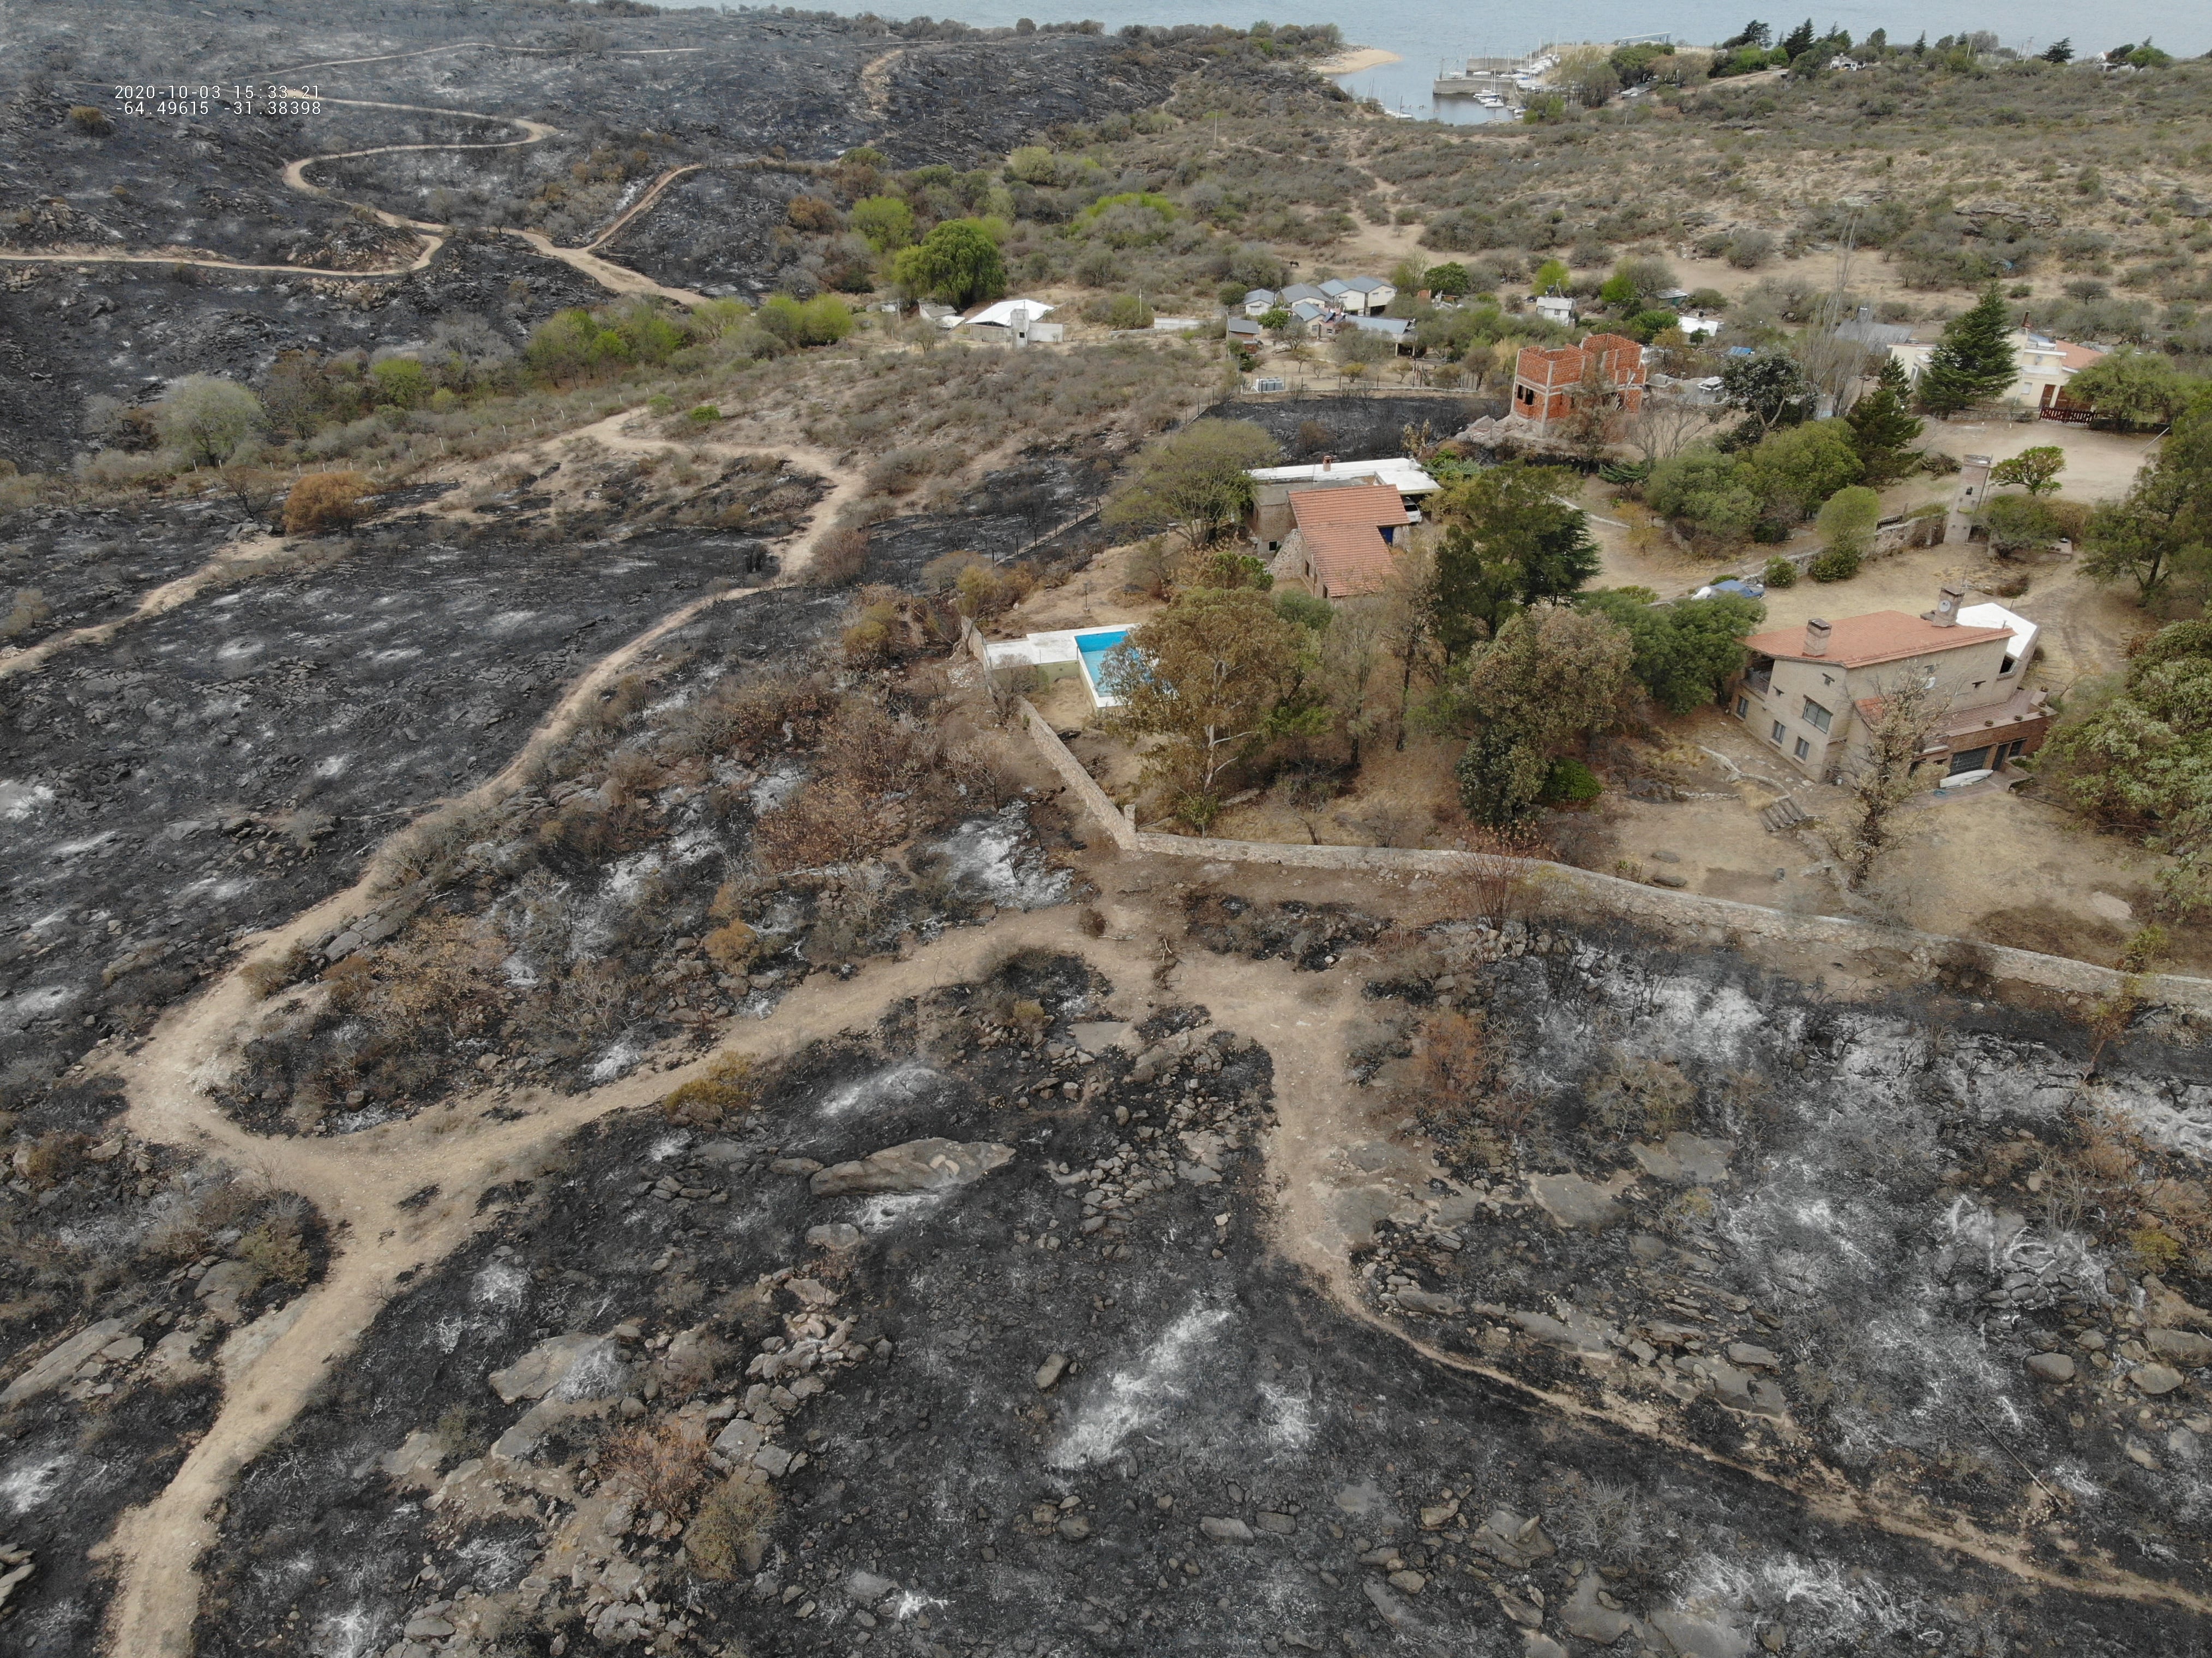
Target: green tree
column 210, row 418
column 2136, row 752
column 1770, row 387
column 1275, row 319
column 1206, row 678
column 2016, row 523
column 1796, row 468
column 1196, row 481
column 1509, row 540
column 1552, row 676
column 1848, row 521
column 1449, row 279
column 1551, row 276
column 1714, row 495
column 1973, row 362
column 1686, row 651
column 402, row 382
column 958, row 262
column 2132, row 389
column 1883, row 426
column 2164, row 525
column 885, row 222
column 2035, row 471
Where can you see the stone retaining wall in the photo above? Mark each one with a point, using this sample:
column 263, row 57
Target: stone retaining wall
column 1696, row 917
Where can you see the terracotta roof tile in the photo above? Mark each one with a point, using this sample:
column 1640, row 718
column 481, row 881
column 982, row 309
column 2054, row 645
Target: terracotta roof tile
column 1348, row 559
column 1373, row 503
column 1860, row 641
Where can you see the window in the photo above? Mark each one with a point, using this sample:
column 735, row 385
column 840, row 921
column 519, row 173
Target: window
column 1775, row 735
column 1970, row 760
column 1743, row 707
column 1802, row 749
column 2010, row 662
column 1816, row 716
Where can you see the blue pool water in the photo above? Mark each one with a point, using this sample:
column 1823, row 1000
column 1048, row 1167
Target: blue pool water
column 1093, row 647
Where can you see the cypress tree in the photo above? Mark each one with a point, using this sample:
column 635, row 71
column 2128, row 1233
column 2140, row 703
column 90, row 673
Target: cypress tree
column 1882, row 425
column 1973, row 363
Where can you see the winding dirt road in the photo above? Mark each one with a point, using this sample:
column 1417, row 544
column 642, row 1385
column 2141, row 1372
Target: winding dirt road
column 615, row 278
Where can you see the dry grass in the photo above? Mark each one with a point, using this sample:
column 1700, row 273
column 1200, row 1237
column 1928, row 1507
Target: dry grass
column 729, row 1536
column 659, row 1464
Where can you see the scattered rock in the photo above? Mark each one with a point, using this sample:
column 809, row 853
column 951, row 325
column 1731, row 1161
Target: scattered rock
column 1051, row 1371
column 1281, row 1524
column 1428, row 1302
column 868, row 1588
column 2051, row 1367
column 1511, row 1540
column 1519, row 1611
column 1757, row 1359
column 1700, row 1637
column 1074, row 1527
column 927, row 1165
column 1573, row 1201
column 837, row 1238
column 1408, row 1583
column 1392, row 1611
column 2156, row 1379
column 1226, row 1530
column 1587, row 1618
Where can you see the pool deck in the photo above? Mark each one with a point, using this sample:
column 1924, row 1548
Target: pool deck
column 1055, row 654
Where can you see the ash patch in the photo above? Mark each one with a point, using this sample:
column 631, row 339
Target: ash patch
column 1859, row 1243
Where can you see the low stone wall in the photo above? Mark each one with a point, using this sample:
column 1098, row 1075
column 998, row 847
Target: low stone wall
column 1694, row 916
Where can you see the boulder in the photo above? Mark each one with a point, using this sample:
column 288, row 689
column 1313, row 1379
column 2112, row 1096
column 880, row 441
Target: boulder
column 2185, row 1348
column 550, row 1364
column 928, row 1165
column 1587, row 1618
column 2051, row 1367
column 1701, row 1638
column 57, row 1366
column 1226, row 1530
column 1050, row 1371
column 2156, row 1379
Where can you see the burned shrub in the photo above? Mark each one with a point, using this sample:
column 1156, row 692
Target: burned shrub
column 323, row 501
column 728, row 1537
column 729, row 1089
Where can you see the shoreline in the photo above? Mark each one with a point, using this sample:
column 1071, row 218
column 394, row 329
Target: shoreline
column 1352, row 59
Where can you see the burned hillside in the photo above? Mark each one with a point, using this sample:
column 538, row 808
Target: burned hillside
column 964, row 1334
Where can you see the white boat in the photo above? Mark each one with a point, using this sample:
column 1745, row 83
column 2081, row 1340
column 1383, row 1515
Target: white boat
column 1491, row 100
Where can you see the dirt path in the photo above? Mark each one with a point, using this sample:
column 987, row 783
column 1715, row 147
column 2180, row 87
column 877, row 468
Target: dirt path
column 240, row 560
column 615, row 278
column 643, row 204
column 875, row 81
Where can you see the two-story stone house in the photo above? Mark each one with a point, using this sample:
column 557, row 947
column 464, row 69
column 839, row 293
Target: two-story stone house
column 1812, row 692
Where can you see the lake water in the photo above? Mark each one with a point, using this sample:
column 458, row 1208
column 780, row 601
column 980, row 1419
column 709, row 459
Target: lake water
column 1429, row 35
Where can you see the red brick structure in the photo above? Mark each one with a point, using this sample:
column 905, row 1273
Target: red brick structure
column 1548, row 380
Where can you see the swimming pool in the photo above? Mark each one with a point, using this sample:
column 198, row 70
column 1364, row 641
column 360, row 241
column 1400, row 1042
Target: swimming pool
column 1093, row 648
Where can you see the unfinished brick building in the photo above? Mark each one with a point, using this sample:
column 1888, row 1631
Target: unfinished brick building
column 1549, row 381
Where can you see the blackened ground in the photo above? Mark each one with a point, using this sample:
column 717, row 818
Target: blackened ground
column 93, row 566
column 1350, row 428
column 231, row 762
column 1041, row 507
column 717, row 231
column 1901, row 1204
column 1230, row 1465
column 103, row 1229
column 125, row 331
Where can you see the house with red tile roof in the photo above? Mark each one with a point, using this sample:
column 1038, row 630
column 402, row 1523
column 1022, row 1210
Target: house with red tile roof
column 1340, row 544
column 1813, row 693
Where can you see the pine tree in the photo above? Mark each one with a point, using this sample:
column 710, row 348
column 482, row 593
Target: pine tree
column 1882, row 425
column 1796, row 42
column 1973, row 362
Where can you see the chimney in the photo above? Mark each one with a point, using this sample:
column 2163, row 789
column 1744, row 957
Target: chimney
column 1328, row 463
column 1816, row 637
column 1945, row 613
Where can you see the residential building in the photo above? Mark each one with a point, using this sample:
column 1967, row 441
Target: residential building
column 1259, row 301
column 1373, row 293
column 1813, row 693
column 1298, row 291
column 1556, row 307
column 1340, row 546
column 2043, row 366
column 1396, row 330
column 1271, row 519
column 1549, row 381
